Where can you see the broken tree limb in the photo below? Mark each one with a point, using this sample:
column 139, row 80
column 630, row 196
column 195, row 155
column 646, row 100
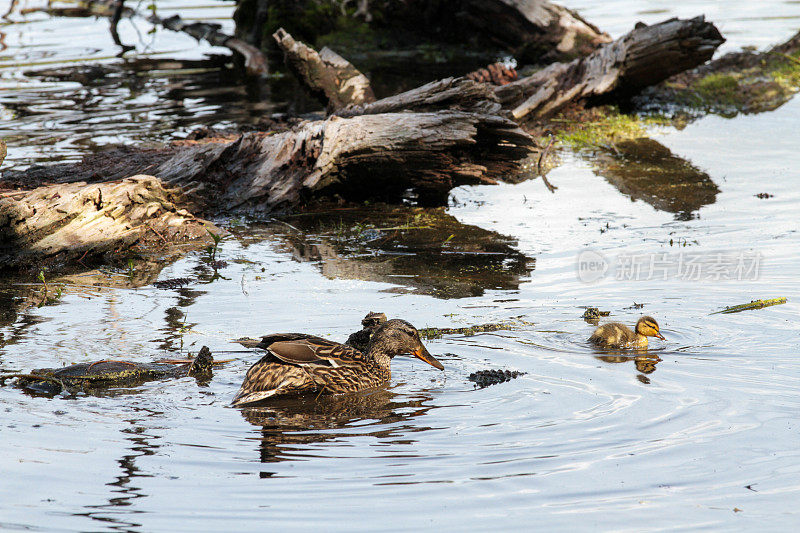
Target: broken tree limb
column 77, row 219
column 449, row 93
column 330, row 77
column 645, row 56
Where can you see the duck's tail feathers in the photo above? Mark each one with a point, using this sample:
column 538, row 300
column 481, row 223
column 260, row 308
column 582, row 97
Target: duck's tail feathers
column 244, row 397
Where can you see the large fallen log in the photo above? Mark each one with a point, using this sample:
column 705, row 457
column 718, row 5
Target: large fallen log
column 78, row 220
column 645, row 56
column 377, row 156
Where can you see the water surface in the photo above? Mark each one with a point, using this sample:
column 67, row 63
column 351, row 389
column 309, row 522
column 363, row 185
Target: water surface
column 699, row 432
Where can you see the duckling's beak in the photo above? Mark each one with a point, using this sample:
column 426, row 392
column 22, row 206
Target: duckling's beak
column 422, row 353
column 660, row 336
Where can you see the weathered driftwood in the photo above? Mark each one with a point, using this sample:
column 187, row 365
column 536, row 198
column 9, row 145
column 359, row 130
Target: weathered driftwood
column 378, row 156
column 450, row 93
column 75, row 220
column 255, row 61
column 329, row 76
column 645, row 56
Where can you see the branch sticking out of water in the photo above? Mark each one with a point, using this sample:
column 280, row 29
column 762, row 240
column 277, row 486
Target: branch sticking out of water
column 436, row 333
column 755, row 304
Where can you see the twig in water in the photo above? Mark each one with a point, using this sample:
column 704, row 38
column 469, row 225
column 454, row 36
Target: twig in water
column 755, row 304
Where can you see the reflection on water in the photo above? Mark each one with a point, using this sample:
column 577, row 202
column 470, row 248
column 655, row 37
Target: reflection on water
column 644, row 169
column 425, row 249
column 290, row 426
column 139, row 444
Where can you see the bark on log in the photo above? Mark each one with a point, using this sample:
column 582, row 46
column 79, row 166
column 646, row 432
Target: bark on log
column 428, row 152
column 645, row 56
column 328, row 76
column 77, row 219
column 449, row 93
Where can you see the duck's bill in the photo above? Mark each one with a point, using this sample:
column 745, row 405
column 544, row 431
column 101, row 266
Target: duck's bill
column 660, row 336
column 423, row 354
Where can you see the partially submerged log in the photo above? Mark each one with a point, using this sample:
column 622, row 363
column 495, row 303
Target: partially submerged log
column 429, row 152
column 328, row 75
column 77, row 220
column 645, row 56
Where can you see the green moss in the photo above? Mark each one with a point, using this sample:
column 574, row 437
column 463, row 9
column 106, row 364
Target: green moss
column 786, row 71
column 722, row 88
column 746, row 90
column 607, row 127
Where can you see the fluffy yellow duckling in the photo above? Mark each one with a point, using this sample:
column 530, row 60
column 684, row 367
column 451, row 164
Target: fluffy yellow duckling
column 618, row 335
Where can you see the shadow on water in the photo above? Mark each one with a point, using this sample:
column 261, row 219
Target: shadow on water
column 289, row 425
column 644, row 169
column 426, row 250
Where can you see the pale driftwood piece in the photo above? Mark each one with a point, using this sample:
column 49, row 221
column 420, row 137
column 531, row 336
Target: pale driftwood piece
column 645, row 56
column 329, row 76
column 554, row 30
column 449, row 93
column 363, row 157
column 77, row 219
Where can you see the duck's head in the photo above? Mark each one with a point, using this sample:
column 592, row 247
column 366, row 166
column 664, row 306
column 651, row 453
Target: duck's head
column 398, row 337
column 648, row 327
column 373, row 320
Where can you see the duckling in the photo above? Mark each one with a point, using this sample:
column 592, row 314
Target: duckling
column 618, row 335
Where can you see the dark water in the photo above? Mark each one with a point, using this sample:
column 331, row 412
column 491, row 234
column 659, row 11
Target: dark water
column 699, row 432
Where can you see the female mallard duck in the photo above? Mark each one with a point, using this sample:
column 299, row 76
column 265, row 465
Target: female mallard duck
column 298, row 363
column 360, row 339
column 618, row 335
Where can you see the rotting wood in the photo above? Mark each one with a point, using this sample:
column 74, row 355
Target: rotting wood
column 645, row 56
column 330, row 77
column 449, row 93
column 429, row 152
column 77, row 219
